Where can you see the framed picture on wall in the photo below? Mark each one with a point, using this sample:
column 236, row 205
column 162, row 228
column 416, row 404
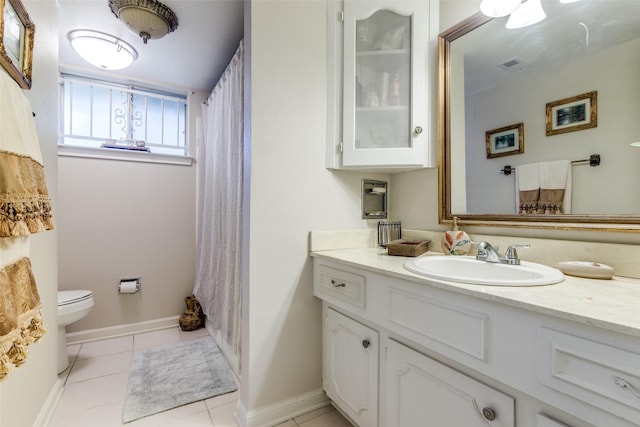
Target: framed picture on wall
column 572, row 114
column 505, row 141
column 16, row 48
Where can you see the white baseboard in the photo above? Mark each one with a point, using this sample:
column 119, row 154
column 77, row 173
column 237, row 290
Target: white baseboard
column 121, row 330
column 281, row 411
column 49, row 406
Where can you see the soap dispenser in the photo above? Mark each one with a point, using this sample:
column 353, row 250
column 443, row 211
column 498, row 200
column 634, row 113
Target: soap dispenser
column 456, row 242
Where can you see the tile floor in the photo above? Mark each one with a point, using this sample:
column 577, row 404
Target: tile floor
column 96, row 382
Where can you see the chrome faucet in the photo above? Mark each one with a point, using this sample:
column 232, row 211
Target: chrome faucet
column 487, row 252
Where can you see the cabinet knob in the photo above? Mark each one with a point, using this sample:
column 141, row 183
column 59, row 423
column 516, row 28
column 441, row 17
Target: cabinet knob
column 488, row 413
column 366, row 343
column 418, row 130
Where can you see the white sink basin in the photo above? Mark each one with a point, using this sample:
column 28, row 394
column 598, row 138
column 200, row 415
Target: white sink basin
column 464, row 269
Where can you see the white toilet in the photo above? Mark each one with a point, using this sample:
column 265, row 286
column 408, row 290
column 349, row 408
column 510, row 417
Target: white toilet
column 72, row 306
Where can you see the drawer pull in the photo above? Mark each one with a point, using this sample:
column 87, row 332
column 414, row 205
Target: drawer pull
column 488, row 413
column 366, row 343
column 338, row 285
column 622, row 383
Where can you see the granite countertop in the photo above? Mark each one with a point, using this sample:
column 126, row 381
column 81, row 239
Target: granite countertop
column 609, row 304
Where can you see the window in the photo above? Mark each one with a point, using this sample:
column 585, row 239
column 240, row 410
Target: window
column 100, row 114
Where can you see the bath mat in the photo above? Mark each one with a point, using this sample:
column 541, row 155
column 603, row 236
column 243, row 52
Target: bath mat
column 164, row 378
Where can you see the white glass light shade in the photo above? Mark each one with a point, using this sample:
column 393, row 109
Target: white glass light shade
column 145, row 23
column 102, row 50
column 149, row 19
column 529, row 13
column 568, row 1
column 498, row 8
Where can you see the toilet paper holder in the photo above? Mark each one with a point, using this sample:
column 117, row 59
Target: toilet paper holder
column 129, row 286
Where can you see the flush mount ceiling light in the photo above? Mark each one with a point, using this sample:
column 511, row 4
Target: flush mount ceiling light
column 498, row 8
column 102, row 50
column 529, row 13
column 149, row 19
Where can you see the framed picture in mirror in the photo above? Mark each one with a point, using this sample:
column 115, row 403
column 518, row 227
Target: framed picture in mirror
column 16, row 46
column 505, row 141
column 572, row 114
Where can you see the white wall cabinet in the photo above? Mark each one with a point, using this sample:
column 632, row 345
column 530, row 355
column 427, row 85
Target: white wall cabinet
column 449, row 359
column 382, row 70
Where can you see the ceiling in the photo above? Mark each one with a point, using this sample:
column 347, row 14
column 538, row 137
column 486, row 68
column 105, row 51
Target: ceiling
column 570, row 31
column 191, row 58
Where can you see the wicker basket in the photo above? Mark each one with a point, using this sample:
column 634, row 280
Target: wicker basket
column 403, row 247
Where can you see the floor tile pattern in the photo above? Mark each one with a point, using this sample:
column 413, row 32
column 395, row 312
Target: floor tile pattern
column 95, row 385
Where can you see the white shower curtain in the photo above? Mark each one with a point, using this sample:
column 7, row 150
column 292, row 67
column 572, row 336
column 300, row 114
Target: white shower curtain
column 218, row 244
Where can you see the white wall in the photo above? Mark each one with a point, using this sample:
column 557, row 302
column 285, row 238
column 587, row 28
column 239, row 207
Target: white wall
column 26, row 391
column 291, row 193
column 121, row 219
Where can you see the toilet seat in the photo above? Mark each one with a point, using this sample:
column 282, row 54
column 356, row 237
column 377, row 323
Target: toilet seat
column 73, row 297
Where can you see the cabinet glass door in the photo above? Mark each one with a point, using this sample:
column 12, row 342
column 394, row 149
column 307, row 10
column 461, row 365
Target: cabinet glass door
column 383, row 81
column 384, row 94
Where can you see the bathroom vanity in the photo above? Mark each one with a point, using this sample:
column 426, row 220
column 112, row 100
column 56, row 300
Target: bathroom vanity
column 404, row 350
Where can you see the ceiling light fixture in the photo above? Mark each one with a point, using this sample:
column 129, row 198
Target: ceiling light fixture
column 149, row 19
column 102, row 50
column 498, row 8
column 529, row 13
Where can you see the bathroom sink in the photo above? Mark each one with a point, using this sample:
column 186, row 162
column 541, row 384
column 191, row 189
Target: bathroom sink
column 465, row 269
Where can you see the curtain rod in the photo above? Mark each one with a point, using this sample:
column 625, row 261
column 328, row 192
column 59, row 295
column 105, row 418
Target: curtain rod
column 593, row 160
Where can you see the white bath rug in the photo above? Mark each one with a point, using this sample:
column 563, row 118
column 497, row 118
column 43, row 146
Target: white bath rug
column 164, row 378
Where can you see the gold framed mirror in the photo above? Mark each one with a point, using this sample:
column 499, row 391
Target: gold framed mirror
column 478, row 93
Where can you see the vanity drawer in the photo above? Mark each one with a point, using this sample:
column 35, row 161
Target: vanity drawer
column 601, row 375
column 344, row 286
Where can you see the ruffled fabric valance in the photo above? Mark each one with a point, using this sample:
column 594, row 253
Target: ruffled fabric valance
column 25, row 207
column 20, row 314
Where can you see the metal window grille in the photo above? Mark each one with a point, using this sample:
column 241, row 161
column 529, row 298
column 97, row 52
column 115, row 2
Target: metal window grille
column 96, row 112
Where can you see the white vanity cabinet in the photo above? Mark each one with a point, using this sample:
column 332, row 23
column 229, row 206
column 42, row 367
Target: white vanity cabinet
column 422, row 392
column 351, row 367
column 442, row 356
column 382, row 69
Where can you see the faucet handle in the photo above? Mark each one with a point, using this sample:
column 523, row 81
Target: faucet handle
column 511, row 256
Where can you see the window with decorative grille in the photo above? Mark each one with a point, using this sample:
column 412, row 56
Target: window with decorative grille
column 99, row 114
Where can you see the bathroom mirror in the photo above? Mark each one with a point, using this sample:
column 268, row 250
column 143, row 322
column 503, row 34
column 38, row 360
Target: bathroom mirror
column 493, row 78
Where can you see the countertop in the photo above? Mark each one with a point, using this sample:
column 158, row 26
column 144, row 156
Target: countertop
column 609, row 304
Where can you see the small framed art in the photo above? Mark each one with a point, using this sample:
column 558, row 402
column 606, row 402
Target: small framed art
column 505, row 141
column 16, row 46
column 572, row 114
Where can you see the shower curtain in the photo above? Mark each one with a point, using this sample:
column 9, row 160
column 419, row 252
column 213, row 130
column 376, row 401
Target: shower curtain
column 218, row 243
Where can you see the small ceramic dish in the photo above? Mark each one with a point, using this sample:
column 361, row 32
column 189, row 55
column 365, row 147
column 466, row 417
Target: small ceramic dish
column 588, row 269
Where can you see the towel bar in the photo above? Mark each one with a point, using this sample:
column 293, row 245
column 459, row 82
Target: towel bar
column 593, row 160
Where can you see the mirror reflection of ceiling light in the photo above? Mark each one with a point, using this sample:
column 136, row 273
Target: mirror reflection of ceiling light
column 530, row 12
column 102, row 50
column 498, row 8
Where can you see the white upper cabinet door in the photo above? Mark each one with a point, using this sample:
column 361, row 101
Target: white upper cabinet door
column 388, row 62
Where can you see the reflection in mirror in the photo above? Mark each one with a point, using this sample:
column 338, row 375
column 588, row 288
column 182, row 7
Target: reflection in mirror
column 572, row 82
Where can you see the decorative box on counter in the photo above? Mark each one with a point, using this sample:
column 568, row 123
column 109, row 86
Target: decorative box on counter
column 404, row 247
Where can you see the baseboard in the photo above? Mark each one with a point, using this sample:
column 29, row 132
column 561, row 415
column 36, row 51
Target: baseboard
column 121, row 330
column 49, row 406
column 281, row 411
